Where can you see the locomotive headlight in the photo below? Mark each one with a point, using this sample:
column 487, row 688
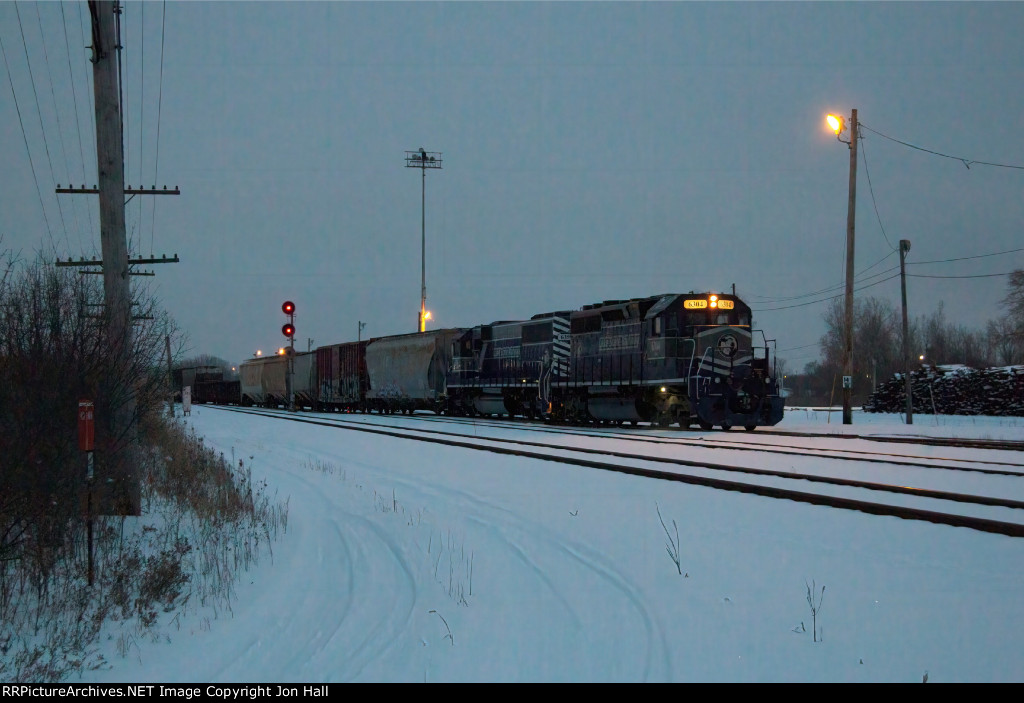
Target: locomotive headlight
column 663, row 389
column 713, row 301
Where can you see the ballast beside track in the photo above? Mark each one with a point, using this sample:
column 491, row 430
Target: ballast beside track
column 514, row 448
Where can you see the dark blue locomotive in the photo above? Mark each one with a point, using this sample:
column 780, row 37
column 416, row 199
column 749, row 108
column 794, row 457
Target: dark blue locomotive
column 686, row 359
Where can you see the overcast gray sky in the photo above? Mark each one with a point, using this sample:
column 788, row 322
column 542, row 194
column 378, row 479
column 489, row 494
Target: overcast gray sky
column 591, row 151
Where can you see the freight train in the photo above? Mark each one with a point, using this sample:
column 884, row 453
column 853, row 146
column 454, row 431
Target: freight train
column 666, row 359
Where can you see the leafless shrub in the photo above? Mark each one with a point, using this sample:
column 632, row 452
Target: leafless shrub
column 672, row 546
column 214, row 521
column 814, row 600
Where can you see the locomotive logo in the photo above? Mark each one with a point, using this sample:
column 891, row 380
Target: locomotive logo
column 727, row 346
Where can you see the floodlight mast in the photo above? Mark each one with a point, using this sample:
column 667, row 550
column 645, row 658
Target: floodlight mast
column 423, row 160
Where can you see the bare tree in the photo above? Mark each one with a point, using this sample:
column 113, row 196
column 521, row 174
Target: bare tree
column 1014, row 301
column 1003, row 343
column 53, row 352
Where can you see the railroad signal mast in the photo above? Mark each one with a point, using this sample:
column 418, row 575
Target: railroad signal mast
column 288, row 330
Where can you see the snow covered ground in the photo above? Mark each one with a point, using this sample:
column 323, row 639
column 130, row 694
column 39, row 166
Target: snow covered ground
column 405, row 561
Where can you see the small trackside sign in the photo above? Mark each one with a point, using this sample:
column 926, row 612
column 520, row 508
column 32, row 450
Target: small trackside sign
column 86, row 425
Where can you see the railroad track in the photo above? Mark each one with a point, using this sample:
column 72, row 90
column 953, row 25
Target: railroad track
column 973, row 465
column 966, row 443
column 928, row 504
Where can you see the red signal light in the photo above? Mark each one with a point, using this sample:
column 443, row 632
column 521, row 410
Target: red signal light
column 288, row 330
column 288, row 307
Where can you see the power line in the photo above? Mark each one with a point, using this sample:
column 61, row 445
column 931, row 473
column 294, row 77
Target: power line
column 159, row 105
column 832, row 297
column 964, row 258
column 871, row 189
column 979, row 275
column 60, row 128
column 24, row 136
column 860, row 276
column 90, row 94
column 803, row 346
column 42, row 129
column 78, row 122
column 142, row 105
column 966, row 162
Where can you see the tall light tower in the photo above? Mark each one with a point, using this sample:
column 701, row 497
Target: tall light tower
column 423, row 160
column 838, row 124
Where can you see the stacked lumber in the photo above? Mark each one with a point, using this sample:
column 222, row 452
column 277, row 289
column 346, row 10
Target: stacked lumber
column 954, row 390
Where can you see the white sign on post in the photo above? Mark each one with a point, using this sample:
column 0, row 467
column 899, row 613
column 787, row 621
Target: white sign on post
column 186, row 400
column 847, row 381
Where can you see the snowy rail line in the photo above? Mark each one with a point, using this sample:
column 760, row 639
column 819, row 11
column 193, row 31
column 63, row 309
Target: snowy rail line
column 770, row 483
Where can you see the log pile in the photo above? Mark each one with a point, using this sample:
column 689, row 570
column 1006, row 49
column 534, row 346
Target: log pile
column 954, row 390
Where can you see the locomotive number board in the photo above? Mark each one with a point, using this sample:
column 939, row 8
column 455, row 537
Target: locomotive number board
column 701, row 303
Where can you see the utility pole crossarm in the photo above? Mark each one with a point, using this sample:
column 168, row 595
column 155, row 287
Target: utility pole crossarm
column 99, row 262
column 127, row 191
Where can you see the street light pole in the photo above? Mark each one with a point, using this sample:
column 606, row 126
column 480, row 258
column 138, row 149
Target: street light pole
column 904, row 248
column 423, row 160
column 837, row 126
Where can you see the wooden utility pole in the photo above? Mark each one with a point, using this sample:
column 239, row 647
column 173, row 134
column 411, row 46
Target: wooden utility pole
column 848, row 322
column 110, row 162
column 904, row 248
column 126, row 486
column 122, row 487
column 170, row 380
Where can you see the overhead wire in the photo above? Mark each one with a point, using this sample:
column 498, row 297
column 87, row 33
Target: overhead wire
column 60, row 127
column 964, row 258
column 836, row 286
column 42, row 129
column 78, row 121
column 125, row 117
column 91, row 99
column 831, row 297
column 35, row 176
column 871, row 189
column 881, row 225
column 142, row 105
column 159, row 106
column 965, row 161
column 977, row 275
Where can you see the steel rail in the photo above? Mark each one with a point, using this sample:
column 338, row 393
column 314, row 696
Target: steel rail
column 954, row 520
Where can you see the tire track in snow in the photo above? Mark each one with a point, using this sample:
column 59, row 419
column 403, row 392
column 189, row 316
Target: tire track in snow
column 372, row 560
column 656, row 664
